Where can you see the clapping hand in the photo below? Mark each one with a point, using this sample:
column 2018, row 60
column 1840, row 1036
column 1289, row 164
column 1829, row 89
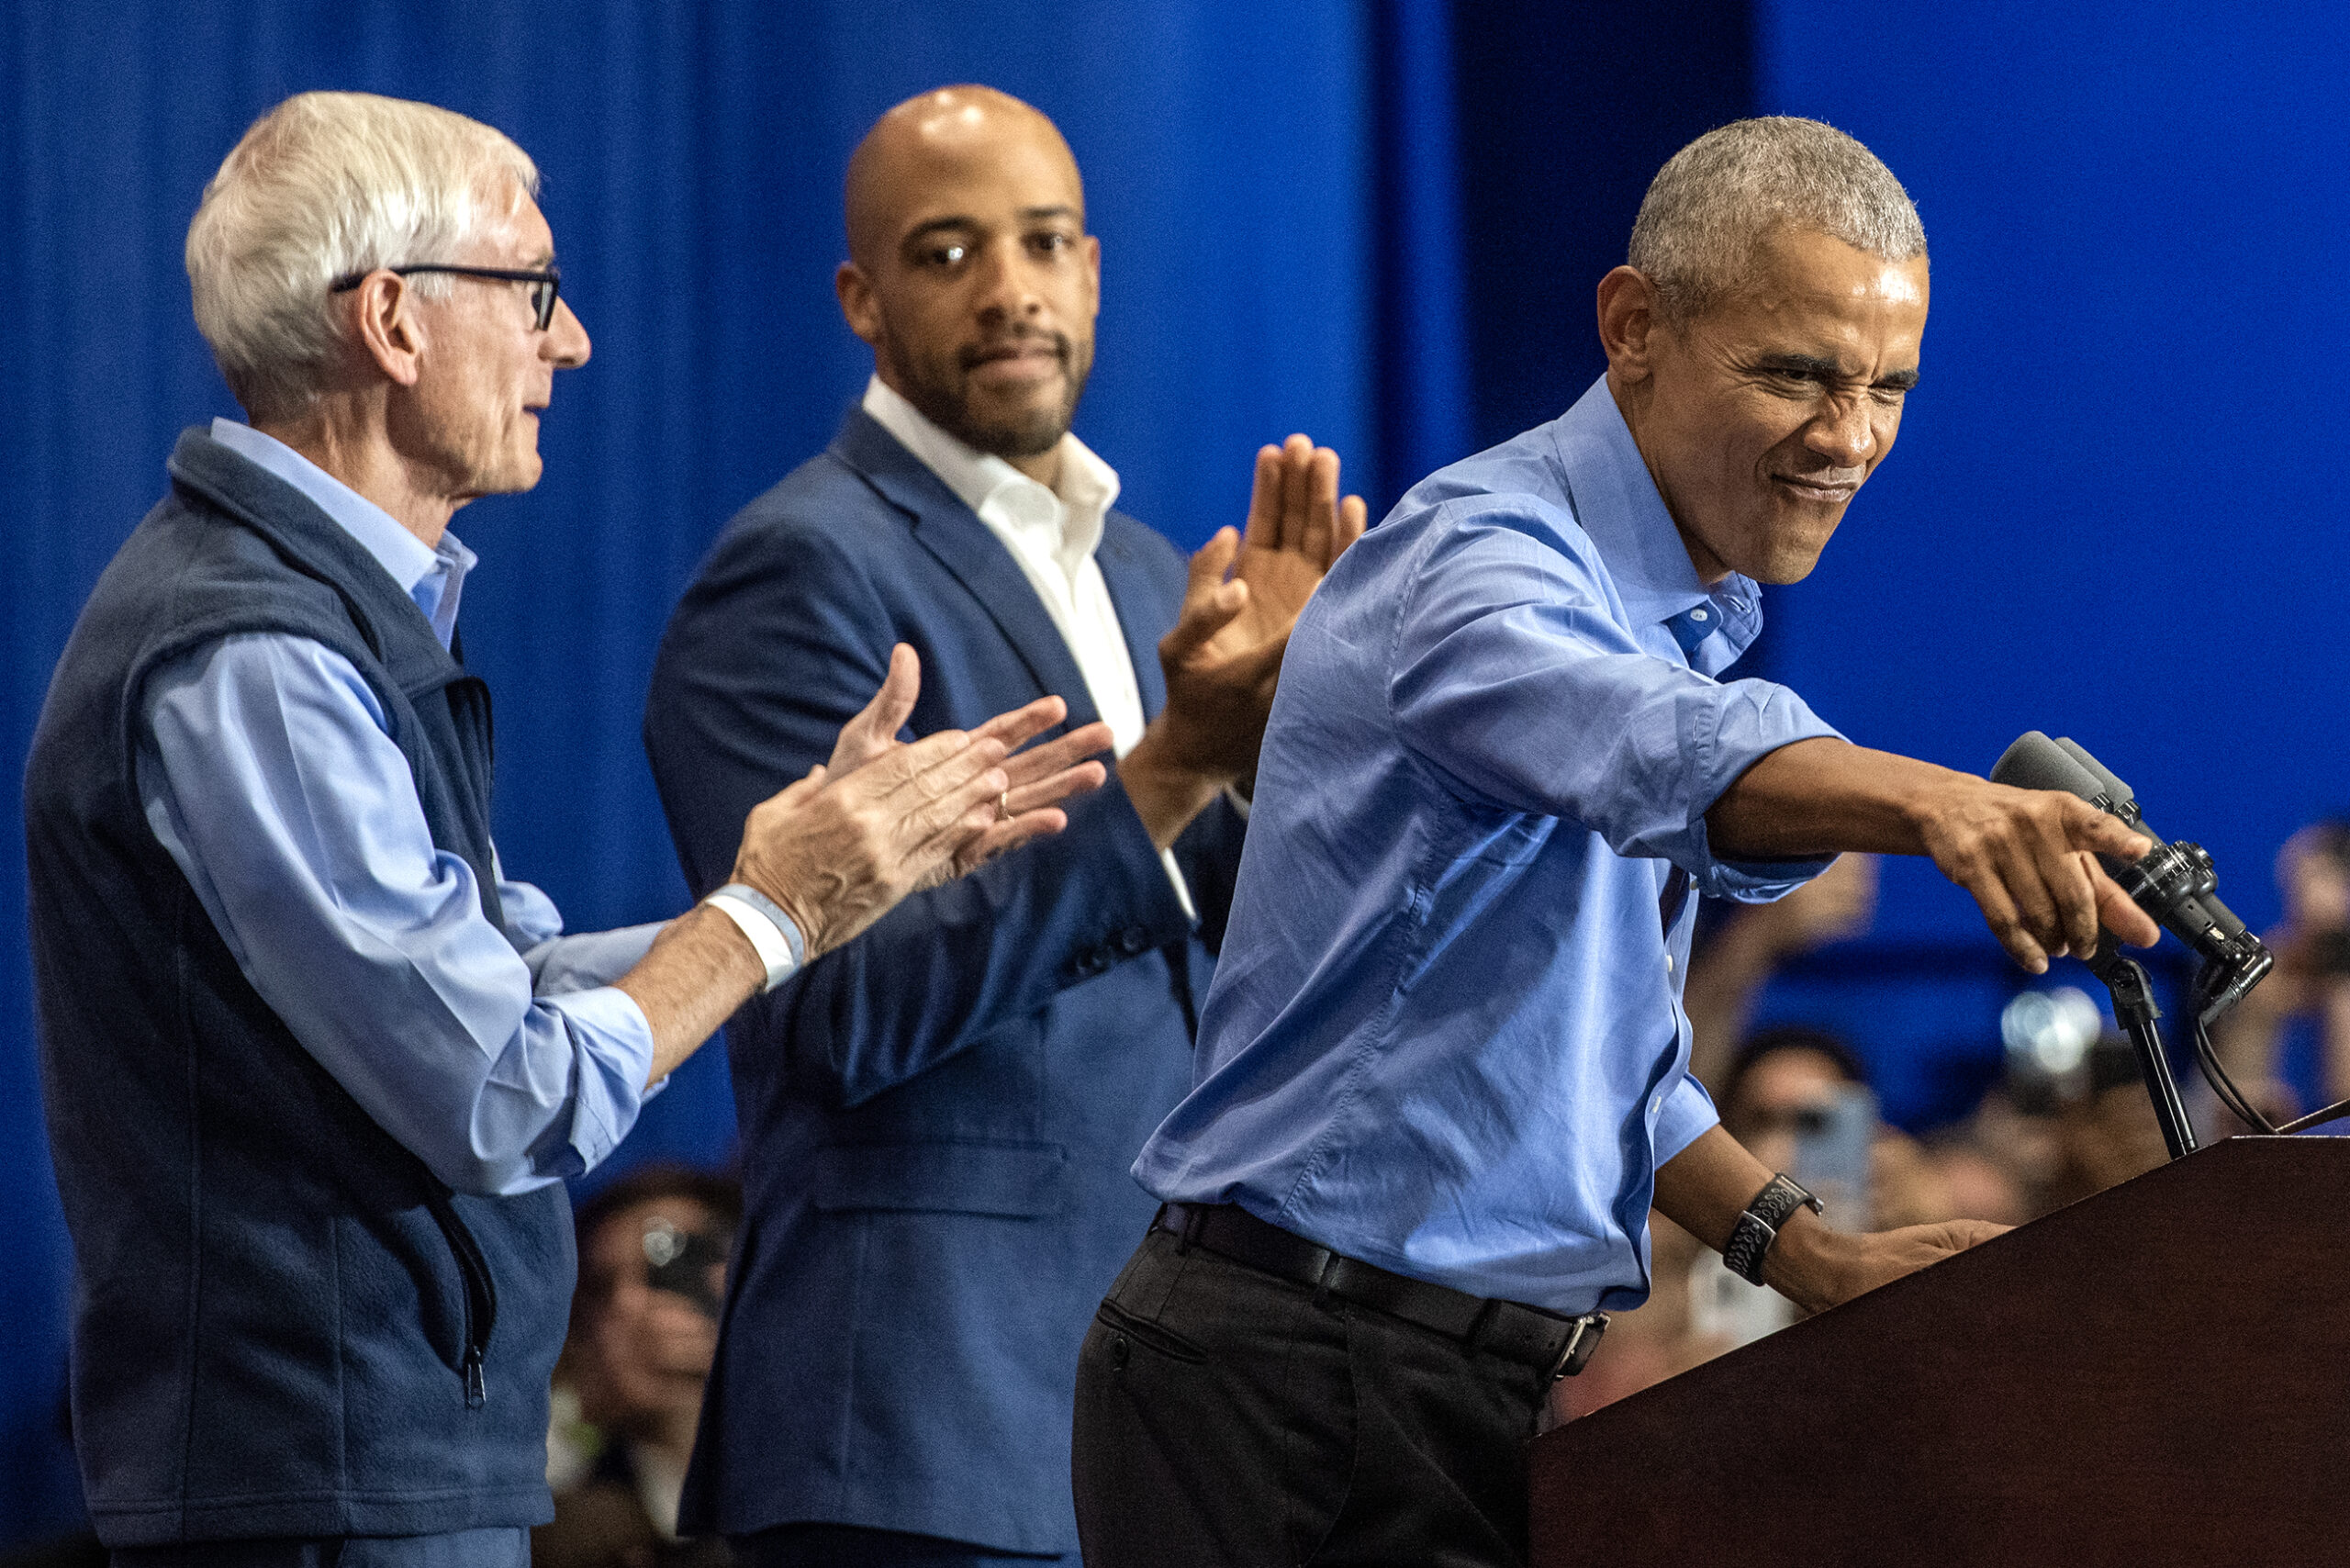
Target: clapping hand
column 1224, row 657
column 1297, row 528
column 838, row 850
column 1041, row 777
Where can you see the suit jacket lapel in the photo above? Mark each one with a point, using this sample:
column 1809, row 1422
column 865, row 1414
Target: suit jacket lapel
column 1129, row 590
column 954, row 533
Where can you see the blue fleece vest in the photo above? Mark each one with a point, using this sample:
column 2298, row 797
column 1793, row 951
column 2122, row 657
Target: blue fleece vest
column 283, row 1324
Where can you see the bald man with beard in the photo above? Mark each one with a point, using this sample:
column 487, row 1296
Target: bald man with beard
column 938, row 1123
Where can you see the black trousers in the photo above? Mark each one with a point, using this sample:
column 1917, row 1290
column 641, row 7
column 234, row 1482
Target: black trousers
column 1225, row 1416
column 462, row 1549
column 847, row 1546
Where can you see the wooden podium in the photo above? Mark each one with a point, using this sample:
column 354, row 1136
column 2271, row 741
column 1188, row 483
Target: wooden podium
column 2157, row 1374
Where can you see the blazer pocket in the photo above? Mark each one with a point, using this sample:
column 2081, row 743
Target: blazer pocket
column 1020, row 1180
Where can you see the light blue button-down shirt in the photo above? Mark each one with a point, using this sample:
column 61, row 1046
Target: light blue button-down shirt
column 267, row 769
column 1445, row 1035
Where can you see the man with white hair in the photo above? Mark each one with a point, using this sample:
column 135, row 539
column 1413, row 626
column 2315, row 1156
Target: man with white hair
column 314, row 1068
column 1444, row 1076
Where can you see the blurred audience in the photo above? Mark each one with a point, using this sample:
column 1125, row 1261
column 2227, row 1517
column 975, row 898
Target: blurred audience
column 1749, row 943
column 2310, row 984
column 1799, row 1098
column 1784, row 1080
column 1778, row 1074
column 2105, row 1135
column 653, row 1252
column 1980, row 1186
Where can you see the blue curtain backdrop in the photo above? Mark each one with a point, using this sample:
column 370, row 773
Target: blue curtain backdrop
column 1377, row 220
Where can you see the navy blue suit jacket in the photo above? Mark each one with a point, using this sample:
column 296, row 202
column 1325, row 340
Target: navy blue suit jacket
column 937, row 1119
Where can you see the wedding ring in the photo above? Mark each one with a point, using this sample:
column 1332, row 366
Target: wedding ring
column 1003, row 807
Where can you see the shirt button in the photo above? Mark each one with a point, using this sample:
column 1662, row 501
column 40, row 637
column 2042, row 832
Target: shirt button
column 1697, row 615
column 1656, row 1107
column 1668, row 963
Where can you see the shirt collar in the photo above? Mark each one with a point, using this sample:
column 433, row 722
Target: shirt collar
column 435, row 577
column 1615, row 501
column 1088, row 488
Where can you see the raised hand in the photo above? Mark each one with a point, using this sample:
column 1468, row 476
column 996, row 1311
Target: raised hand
column 835, row 851
column 1223, row 659
column 1041, row 777
column 873, row 733
column 1297, row 528
column 835, row 854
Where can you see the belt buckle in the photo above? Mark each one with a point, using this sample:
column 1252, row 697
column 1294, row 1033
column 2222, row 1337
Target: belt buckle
column 1582, row 1340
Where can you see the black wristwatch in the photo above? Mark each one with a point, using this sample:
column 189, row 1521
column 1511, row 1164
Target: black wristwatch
column 1759, row 1225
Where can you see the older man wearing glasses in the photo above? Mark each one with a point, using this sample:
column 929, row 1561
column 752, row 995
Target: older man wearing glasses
column 314, row 1068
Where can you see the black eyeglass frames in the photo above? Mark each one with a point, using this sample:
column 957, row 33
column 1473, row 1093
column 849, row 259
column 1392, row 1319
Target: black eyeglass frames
column 548, row 283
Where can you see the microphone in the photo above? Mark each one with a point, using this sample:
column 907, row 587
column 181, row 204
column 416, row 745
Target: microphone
column 2172, row 882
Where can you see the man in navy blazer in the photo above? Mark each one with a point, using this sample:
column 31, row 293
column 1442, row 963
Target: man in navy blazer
column 938, row 1120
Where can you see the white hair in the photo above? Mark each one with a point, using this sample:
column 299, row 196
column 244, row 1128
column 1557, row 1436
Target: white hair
column 1716, row 199
column 323, row 186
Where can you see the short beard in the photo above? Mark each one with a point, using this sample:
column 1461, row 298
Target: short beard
column 943, row 404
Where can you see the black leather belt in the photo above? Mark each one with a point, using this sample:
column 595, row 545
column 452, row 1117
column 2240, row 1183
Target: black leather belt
column 1527, row 1335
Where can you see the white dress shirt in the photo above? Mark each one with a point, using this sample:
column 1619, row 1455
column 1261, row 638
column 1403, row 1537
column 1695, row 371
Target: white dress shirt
column 1052, row 533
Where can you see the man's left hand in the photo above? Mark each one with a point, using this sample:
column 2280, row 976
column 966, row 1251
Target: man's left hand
column 1298, row 526
column 1816, row 1267
column 1705, row 1187
column 1224, row 657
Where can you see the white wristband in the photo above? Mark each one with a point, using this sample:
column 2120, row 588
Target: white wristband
column 771, row 933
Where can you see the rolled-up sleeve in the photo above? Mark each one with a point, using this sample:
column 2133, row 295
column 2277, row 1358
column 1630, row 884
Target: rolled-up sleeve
column 267, row 772
column 560, row 963
column 1688, row 1112
column 1512, row 674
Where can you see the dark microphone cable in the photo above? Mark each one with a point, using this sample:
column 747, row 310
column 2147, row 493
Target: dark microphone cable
column 2224, row 1087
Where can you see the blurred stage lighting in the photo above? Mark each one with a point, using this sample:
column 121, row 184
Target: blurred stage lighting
column 2050, row 1031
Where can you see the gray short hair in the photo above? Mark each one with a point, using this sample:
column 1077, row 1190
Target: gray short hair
column 1720, row 197
column 324, row 186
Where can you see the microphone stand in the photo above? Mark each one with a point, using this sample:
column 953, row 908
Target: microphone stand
column 2134, row 1009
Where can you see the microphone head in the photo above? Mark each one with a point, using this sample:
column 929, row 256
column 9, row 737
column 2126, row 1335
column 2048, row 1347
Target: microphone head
column 2116, row 789
column 2035, row 762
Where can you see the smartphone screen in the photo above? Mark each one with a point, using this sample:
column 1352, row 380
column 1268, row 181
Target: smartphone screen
column 1832, row 1141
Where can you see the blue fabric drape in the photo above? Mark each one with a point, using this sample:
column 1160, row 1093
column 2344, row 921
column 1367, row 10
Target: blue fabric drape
column 1565, row 112
column 1422, row 346
column 692, row 155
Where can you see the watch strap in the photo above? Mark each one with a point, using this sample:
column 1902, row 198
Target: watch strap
column 772, row 933
column 1751, row 1238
